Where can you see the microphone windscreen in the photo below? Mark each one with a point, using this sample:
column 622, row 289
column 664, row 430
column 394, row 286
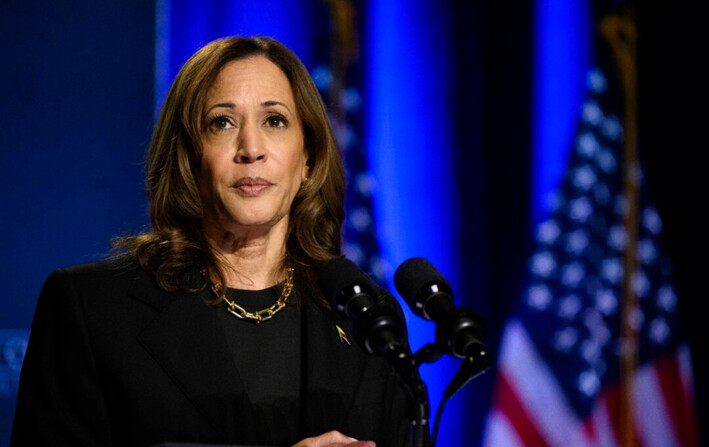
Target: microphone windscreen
column 338, row 274
column 414, row 274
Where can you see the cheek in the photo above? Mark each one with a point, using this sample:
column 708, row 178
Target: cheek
column 207, row 176
column 212, row 167
column 203, row 174
column 203, row 185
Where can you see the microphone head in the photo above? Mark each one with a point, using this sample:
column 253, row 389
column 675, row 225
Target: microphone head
column 416, row 279
column 340, row 281
column 378, row 330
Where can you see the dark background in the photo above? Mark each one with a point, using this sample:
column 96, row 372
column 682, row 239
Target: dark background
column 76, row 111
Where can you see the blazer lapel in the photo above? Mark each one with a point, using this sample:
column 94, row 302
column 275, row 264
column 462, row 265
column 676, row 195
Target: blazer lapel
column 333, row 369
column 187, row 341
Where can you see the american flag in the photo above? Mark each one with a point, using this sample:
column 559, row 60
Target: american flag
column 337, row 76
column 561, row 377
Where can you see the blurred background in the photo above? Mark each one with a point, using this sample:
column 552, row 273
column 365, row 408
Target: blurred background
column 458, row 122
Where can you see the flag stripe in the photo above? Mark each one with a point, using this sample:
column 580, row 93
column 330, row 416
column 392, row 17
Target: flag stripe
column 684, row 361
column 538, row 390
column 517, row 416
column 678, row 403
column 500, row 433
column 604, row 430
column 650, row 411
column 689, row 432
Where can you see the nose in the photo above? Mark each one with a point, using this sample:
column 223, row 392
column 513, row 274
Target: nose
column 250, row 145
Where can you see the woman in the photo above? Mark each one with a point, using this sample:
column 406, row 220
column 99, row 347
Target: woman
column 210, row 328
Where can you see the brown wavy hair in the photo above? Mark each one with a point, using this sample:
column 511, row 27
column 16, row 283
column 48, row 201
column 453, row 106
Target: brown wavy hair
column 175, row 244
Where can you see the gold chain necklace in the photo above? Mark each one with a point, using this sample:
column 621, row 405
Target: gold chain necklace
column 263, row 314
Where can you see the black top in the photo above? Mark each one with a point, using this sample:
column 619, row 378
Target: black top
column 268, row 357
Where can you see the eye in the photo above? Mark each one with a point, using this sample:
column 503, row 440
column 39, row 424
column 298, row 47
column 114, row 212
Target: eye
column 276, row 121
column 220, row 123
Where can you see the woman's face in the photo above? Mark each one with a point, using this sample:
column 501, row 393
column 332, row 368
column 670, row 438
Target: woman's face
column 253, row 155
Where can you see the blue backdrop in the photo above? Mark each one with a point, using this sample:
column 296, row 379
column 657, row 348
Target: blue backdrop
column 76, row 101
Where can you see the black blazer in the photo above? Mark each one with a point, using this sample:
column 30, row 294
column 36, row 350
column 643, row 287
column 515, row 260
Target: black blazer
column 113, row 360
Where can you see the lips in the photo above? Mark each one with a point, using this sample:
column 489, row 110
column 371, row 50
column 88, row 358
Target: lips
column 251, row 186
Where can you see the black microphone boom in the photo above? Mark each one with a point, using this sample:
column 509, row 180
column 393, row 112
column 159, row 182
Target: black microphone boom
column 459, row 331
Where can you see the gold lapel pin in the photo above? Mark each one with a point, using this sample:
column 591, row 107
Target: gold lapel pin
column 343, row 336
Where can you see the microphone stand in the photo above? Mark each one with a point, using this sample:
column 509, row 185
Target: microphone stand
column 475, row 362
column 378, row 332
column 406, row 366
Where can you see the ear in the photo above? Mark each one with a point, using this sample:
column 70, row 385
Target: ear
column 305, row 171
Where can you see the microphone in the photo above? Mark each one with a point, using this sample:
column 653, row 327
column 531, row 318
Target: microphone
column 459, row 331
column 377, row 329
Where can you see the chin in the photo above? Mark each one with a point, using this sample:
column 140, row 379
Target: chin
column 264, row 221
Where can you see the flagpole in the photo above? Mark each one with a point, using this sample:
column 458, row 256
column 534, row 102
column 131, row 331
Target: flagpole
column 621, row 33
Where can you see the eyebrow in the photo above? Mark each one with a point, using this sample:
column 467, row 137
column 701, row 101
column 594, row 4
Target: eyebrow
column 231, row 105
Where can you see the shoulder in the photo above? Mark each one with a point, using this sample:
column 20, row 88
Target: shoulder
column 121, row 263
column 102, row 294
column 118, row 271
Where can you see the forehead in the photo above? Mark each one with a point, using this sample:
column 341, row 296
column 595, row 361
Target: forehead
column 254, row 76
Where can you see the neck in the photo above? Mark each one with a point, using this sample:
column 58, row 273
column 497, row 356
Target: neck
column 251, row 261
